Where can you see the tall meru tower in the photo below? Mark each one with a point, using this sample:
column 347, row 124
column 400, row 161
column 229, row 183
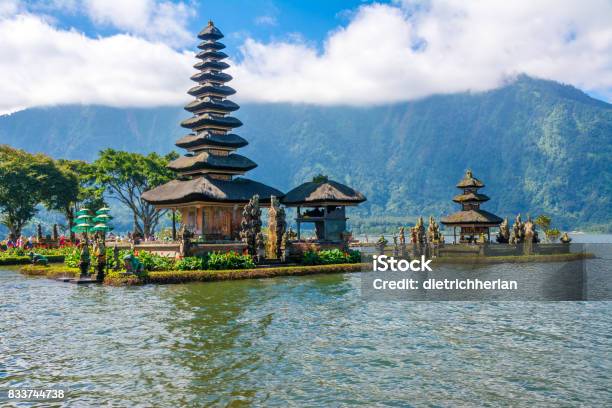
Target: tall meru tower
column 207, row 190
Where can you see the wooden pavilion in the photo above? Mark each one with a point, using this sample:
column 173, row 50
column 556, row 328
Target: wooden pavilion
column 471, row 220
column 207, row 191
column 327, row 201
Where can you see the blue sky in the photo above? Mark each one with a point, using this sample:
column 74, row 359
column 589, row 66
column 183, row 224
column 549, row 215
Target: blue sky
column 265, row 20
column 334, row 52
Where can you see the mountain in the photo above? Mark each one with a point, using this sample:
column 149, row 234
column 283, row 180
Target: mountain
column 539, row 146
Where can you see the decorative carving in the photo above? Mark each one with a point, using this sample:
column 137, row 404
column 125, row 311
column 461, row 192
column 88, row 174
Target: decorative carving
column 503, row 237
column 396, row 249
column 260, row 242
column 433, row 231
column 381, row 244
column 276, row 228
column 565, row 239
column 185, row 241
column 418, row 232
column 285, row 246
column 250, row 225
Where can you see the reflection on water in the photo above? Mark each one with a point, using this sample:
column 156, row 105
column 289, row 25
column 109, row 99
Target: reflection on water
column 298, row 341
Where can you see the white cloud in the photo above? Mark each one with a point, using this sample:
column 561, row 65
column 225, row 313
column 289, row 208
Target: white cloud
column 399, row 52
column 156, row 20
column 42, row 66
column 9, row 7
column 266, row 20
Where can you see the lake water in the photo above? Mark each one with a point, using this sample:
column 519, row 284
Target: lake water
column 297, row 341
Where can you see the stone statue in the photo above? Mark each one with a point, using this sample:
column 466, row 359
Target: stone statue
column 402, row 239
column 565, row 239
column 285, row 246
column 185, row 242
column 417, row 233
column 433, row 231
column 250, row 225
column 381, row 244
column 84, row 260
column 276, row 228
column 503, row 237
column 529, row 235
column 260, row 242
column 518, row 231
column 395, row 247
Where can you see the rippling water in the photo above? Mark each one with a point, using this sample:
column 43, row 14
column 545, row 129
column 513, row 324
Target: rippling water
column 297, row 341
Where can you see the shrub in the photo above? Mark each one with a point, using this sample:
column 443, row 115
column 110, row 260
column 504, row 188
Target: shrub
column 331, row 256
column 191, row 263
column 154, row 262
column 229, row 260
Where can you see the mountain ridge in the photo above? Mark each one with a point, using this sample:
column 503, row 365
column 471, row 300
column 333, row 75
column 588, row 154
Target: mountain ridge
column 539, row 146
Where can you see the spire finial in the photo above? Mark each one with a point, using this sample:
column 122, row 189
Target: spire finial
column 468, row 173
column 210, row 23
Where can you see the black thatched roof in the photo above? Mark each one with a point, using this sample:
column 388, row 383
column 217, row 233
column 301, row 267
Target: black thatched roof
column 472, row 217
column 205, row 160
column 462, row 198
column 212, row 103
column 320, row 193
column 211, row 120
column 211, row 76
column 239, row 190
column 210, row 32
column 211, row 45
column 230, row 140
column 212, row 54
column 211, row 64
column 211, row 89
column 469, row 181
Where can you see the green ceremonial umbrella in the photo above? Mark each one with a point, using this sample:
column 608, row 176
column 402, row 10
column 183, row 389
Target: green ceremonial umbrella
column 103, row 218
column 83, row 211
column 82, row 227
column 102, row 227
column 84, row 218
column 103, row 210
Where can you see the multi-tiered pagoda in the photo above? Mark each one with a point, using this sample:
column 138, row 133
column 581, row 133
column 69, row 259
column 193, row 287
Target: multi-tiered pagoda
column 207, row 191
column 472, row 220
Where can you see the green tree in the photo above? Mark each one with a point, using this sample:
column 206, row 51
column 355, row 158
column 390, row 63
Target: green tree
column 125, row 176
column 27, row 180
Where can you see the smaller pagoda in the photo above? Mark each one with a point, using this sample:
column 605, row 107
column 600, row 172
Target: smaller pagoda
column 327, row 201
column 472, row 220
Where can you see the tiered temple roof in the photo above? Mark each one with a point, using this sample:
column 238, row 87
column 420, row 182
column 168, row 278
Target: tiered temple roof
column 210, row 164
column 324, row 192
column 470, row 200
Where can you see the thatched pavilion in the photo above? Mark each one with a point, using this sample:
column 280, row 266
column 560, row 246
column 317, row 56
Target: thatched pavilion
column 471, row 220
column 207, row 191
column 327, row 201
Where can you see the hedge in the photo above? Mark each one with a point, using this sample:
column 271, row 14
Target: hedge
column 211, row 275
column 23, row 260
